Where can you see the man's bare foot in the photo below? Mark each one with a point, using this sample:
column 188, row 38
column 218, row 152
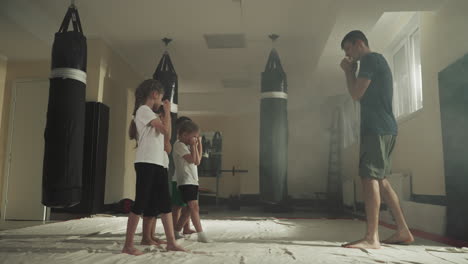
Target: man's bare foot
column 159, row 241
column 400, row 238
column 132, row 251
column 188, row 231
column 175, row 247
column 363, row 243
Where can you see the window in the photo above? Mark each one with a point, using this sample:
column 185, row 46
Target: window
column 405, row 61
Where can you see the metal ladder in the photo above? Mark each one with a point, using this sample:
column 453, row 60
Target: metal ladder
column 334, row 187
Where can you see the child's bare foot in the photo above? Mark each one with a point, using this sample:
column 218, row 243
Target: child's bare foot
column 177, row 235
column 364, row 244
column 159, row 241
column 132, row 251
column 400, row 238
column 188, row 231
column 148, row 242
column 175, row 247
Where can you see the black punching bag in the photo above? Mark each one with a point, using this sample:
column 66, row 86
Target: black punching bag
column 216, row 154
column 273, row 132
column 166, row 74
column 64, row 132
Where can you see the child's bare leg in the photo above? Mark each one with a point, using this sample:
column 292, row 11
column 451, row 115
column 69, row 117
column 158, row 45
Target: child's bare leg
column 169, row 230
column 187, row 229
column 183, row 219
column 175, row 214
column 132, row 224
column 147, row 237
column 153, row 233
column 195, row 215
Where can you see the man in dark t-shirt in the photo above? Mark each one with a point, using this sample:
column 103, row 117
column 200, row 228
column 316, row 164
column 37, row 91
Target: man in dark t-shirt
column 373, row 87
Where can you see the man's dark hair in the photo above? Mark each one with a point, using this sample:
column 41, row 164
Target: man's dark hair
column 353, row 36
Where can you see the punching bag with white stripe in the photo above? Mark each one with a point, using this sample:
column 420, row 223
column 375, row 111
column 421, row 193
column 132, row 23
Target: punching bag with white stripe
column 273, row 132
column 64, row 132
column 166, row 74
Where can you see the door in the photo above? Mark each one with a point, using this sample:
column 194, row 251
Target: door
column 25, row 152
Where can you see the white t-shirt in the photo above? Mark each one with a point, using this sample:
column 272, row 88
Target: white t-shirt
column 150, row 142
column 185, row 173
column 166, row 160
column 174, row 177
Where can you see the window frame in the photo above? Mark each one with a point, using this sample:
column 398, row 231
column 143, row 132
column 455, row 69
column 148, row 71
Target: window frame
column 404, row 39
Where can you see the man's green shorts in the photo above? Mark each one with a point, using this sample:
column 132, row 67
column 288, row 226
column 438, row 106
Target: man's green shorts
column 176, row 197
column 375, row 156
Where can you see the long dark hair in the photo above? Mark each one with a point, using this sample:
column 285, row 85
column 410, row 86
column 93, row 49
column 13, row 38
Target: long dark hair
column 142, row 92
column 180, row 120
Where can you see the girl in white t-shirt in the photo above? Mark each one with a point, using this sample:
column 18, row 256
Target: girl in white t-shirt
column 152, row 191
column 187, row 153
column 178, row 204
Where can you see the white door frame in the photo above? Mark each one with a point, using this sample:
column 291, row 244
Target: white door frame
column 6, row 173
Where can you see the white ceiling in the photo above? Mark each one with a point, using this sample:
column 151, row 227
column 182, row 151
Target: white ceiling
column 15, row 42
column 310, row 32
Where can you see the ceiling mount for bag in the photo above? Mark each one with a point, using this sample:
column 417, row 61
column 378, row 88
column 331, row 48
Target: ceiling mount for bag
column 166, row 41
column 273, row 37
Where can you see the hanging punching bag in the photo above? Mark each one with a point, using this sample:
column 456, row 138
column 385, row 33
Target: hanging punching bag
column 166, row 74
column 217, row 154
column 64, row 132
column 204, row 167
column 273, row 132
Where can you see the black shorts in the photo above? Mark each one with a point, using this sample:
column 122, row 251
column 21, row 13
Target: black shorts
column 152, row 190
column 189, row 192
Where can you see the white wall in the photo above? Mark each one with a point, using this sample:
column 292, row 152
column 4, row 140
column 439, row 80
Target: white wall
column 129, row 180
column 3, row 73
